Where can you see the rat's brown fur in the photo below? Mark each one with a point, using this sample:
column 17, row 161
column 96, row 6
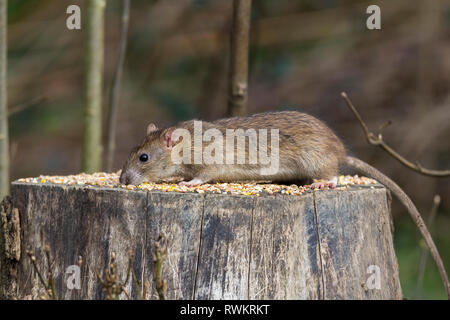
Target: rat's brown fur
column 308, row 149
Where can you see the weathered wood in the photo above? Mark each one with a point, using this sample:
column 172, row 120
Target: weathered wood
column 315, row 246
column 225, row 248
column 355, row 242
column 9, row 248
column 179, row 220
column 285, row 253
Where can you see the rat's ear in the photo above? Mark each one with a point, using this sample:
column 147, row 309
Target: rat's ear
column 167, row 138
column 151, row 128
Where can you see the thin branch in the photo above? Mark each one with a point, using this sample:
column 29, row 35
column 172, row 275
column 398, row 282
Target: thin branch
column 51, row 281
column 238, row 78
column 377, row 140
column 111, row 283
column 28, row 104
column 130, row 266
column 36, row 269
column 114, row 95
column 124, row 290
column 145, row 290
column 141, row 296
column 4, row 139
column 49, row 284
column 130, row 272
column 158, row 260
column 93, row 85
column 424, row 249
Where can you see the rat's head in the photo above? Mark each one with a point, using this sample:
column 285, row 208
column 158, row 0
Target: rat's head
column 151, row 161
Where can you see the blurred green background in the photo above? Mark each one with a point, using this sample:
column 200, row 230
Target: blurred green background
column 303, row 53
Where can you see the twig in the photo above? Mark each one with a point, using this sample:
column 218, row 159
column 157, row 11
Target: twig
column 131, row 272
column 377, row 140
column 130, row 266
column 158, row 259
column 36, row 269
column 424, row 249
column 93, row 86
column 51, row 282
column 137, row 285
column 4, row 140
column 124, row 290
column 20, row 107
column 238, row 86
column 114, row 95
column 49, row 285
column 111, row 283
column 144, row 293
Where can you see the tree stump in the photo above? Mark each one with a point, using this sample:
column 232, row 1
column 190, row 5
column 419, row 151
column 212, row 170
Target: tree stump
column 334, row 244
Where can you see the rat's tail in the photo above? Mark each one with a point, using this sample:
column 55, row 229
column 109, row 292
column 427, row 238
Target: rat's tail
column 371, row 172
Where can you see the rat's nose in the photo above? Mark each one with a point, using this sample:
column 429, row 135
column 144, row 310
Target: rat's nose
column 124, row 178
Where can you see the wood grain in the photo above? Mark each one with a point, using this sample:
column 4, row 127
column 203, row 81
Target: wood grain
column 178, row 218
column 225, row 248
column 320, row 245
column 285, row 253
column 355, row 239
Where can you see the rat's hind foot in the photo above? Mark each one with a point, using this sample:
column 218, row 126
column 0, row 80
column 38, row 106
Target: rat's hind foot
column 192, row 183
column 324, row 184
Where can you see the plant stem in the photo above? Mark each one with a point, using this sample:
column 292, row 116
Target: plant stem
column 424, row 249
column 4, row 143
column 114, row 97
column 238, row 77
column 93, row 83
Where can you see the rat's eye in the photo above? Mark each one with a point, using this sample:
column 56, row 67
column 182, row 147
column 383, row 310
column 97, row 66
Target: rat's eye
column 143, row 157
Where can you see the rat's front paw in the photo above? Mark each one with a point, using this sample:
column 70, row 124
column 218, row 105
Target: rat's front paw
column 324, row 184
column 192, row 183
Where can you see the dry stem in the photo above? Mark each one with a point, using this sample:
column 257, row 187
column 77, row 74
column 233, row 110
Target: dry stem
column 377, row 140
column 158, row 259
column 114, row 97
column 238, row 86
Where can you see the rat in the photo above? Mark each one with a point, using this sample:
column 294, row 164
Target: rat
column 305, row 148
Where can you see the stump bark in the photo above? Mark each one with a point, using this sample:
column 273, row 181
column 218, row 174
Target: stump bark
column 333, row 244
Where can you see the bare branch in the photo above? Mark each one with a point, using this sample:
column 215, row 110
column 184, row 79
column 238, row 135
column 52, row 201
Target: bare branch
column 114, row 95
column 4, row 140
column 145, row 290
column 238, row 87
column 141, row 296
column 51, row 281
column 111, row 283
column 49, row 284
column 28, row 104
column 158, row 260
column 36, row 269
column 424, row 249
column 93, row 85
column 377, row 140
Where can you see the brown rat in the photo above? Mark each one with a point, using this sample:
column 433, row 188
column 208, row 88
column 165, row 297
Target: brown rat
column 306, row 149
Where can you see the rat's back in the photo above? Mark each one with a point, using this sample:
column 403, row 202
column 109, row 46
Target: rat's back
column 299, row 132
column 307, row 147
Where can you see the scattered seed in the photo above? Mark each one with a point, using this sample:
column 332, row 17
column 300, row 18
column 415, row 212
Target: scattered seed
column 111, row 180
